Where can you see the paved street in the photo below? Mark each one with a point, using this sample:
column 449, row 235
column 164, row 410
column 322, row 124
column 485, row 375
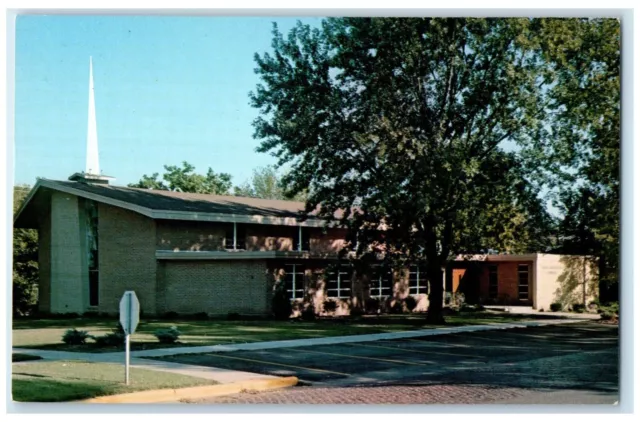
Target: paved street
column 504, row 366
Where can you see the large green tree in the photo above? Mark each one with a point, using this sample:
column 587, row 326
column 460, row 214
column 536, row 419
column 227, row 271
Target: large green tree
column 401, row 124
column 265, row 183
column 580, row 161
column 185, row 179
column 25, row 261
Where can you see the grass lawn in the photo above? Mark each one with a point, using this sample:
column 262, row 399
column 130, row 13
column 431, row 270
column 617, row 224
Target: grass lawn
column 47, row 333
column 74, row 380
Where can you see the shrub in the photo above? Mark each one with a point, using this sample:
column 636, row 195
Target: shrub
column 280, row 303
column 372, row 305
column 167, row 335
column 411, row 303
column 114, row 338
column 397, row 307
column 578, row 307
column 200, row 316
column 613, row 307
column 233, row 316
column 607, row 316
column 555, row 307
column 75, row 337
column 356, row 312
column 170, row 315
column 110, row 339
column 330, row 306
column 308, row 314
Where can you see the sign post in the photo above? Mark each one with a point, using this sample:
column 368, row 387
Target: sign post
column 129, row 318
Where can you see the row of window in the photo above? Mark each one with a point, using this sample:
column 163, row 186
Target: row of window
column 236, row 235
column 523, row 281
column 339, row 282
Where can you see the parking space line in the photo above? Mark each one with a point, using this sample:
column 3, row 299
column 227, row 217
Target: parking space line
column 280, row 364
column 418, row 351
column 369, row 358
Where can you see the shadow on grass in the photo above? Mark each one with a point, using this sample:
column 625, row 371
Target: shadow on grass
column 47, row 390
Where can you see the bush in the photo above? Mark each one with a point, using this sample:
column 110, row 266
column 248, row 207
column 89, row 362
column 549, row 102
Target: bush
column 372, row 305
column 233, row 316
column 167, row 335
column 308, row 313
column 280, row 304
column 397, row 307
column 75, row 337
column 555, row 307
column 110, row 339
column 330, row 306
column 411, row 303
column 114, row 338
column 607, row 316
column 578, row 307
column 356, row 312
column 170, row 315
column 200, row 316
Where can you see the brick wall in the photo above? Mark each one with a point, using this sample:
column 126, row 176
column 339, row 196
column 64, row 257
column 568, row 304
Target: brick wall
column 127, row 244
column 214, row 287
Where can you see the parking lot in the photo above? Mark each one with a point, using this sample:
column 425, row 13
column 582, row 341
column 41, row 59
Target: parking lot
column 572, row 356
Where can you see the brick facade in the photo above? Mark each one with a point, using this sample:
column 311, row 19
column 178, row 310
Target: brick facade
column 214, row 287
column 127, row 245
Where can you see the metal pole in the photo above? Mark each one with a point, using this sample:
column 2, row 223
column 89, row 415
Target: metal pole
column 127, row 336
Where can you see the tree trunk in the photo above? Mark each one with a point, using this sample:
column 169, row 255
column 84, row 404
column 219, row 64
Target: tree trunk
column 436, row 295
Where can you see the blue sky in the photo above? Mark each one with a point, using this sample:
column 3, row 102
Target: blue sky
column 167, row 89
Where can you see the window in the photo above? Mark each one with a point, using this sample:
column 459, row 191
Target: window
column 91, row 213
column 523, row 282
column 417, row 280
column 339, row 281
column 381, row 283
column 294, row 280
column 235, row 237
column 302, row 239
column 493, row 281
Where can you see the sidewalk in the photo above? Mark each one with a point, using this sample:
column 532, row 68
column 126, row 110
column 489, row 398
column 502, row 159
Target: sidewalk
column 228, row 376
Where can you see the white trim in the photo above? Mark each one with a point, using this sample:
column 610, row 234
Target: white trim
column 235, row 236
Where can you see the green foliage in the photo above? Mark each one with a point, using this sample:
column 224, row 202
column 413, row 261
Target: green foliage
column 75, row 337
column 579, row 159
column 267, row 184
column 280, row 303
column 109, row 339
column 555, row 307
column 403, row 121
column 167, row 335
column 607, row 316
column 372, row 305
column 170, row 315
column 185, row 180
column 308, row 313
column 25, row 262
column 578, row 307
column 330, row 306
column 410, row 302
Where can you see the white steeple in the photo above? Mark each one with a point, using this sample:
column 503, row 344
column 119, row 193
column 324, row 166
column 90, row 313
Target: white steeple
column 93, row 163
column 92, row 169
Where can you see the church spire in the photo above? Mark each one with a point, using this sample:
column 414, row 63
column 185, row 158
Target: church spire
column 93, row 163
column 92, row 168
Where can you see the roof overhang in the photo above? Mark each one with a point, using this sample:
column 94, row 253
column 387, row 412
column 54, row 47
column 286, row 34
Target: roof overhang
column 495, row 258
column 231, row 255
column 162, row 214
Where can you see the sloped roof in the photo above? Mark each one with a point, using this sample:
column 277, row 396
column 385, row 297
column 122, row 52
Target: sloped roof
column 178, row 205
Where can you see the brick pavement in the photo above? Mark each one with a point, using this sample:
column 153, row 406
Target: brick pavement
column 423, row 394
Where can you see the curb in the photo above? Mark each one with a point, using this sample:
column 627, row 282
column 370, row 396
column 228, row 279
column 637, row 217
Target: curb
column 190, row 393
